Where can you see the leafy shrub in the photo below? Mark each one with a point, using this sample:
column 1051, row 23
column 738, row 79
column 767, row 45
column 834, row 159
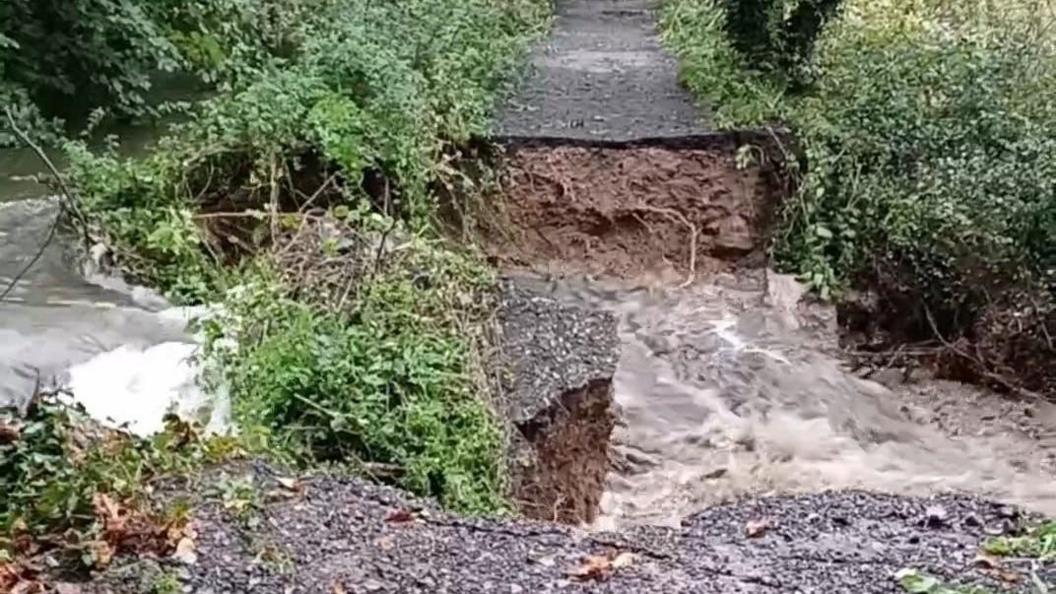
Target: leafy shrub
column 777, row 35
column 929, row 139
column 388, row 385
column 352, row 123
column 380, row 87
column 931, row 150
column 55, row 463
column 710, row 67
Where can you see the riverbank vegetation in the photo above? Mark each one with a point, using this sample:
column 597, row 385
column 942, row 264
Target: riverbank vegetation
column 299, row 199
column 927, row 139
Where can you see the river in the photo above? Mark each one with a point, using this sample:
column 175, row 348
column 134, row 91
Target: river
column 123, row 350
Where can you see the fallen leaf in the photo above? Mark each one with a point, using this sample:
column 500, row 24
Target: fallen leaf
column 291, row 484
column 594, row 567
column 623, row 560
column 185, row 552
column 400, row 516
column 986, row 561
column 1006, row 575
column 914, row 582
column 28, row 587
column 600, row 567
column 386, row 543
column 337, row 588
column 100, row 553
column 9, row 433
column 756, row 528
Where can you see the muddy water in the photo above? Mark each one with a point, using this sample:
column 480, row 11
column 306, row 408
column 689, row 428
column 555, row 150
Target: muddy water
column 123, row 350
column 732, row 389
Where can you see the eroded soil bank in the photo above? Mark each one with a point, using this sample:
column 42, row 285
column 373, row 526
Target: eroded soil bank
column 661, row 209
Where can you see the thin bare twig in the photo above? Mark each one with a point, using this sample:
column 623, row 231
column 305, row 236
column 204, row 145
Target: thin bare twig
column 69, row 205
column 979, row 365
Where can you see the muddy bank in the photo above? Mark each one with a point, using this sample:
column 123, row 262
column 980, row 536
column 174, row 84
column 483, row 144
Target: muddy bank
column 335, row 534
column 658, row 209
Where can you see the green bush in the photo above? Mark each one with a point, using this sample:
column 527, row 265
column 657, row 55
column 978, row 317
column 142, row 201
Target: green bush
column 389, row 385
column 381, row 87
column 55, row 461
column 929, row 140
column 367, row 91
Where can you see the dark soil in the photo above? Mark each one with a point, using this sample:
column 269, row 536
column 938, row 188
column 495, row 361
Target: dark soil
column 602, row 75
column 630, row 210
column 332, row 534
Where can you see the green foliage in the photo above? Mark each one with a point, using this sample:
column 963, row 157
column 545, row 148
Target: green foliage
column 373, row 86
column 930, row 142
column 777, row 35
column 97, row 50
column 915, row 582
column 60, row 460
column 1038, row 543
column 388, row 384
column 713, row 70
column 389, row 381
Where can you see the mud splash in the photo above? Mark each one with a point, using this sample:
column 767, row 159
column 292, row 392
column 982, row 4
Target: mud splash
column 733, row 388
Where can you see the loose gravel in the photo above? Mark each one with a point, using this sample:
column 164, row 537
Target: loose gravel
column 335, row 534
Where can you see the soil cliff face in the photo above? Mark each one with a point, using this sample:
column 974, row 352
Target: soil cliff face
column 631, row 210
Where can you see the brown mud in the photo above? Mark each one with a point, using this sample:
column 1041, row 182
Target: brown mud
column 634, row 211
column 567, row 481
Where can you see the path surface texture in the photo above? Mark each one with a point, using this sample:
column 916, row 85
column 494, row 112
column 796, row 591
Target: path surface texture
column 332, row 535
column 602, row 76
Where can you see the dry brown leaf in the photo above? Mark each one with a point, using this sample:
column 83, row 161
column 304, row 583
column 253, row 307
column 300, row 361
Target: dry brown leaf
column 109, row 512
column 337, row 588
column 1006, row 575
column 101, row 552
column 985, row 561
column 756, row 528
column 290, row 484
column 594, row 567
column 28, row 587
column 400, row 516
column 9, row 433
column 624, row 560
column 185, row 552
column 600, row 567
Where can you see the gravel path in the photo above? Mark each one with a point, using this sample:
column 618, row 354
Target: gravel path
column 341, row 535
column 550, row 348
column 602, row 76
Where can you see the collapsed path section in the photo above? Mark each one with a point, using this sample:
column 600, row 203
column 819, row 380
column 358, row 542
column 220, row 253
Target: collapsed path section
column 557, row 365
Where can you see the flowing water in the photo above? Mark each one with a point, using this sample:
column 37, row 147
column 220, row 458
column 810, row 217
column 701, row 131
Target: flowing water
column 726, row 389
column 734, row 388
column 123, row 351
